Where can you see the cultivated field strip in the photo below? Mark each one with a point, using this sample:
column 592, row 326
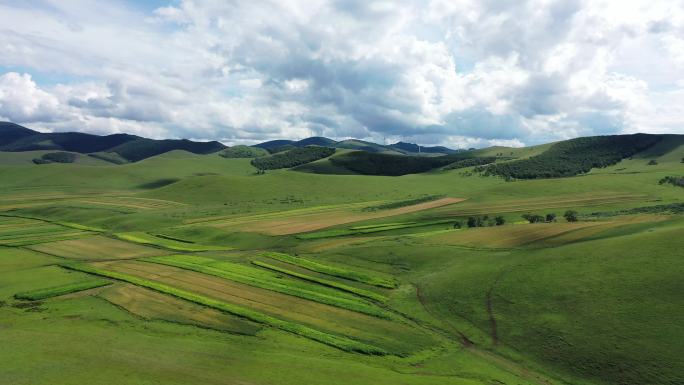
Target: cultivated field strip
column 323, row 244
column 154, row 305
column 12, row 200
column 166, row 242
column 97, row 247
column 294, row 222
column 354, row 275
column 23, row 232
column 325, row 282
column 394, row 336
column 502, row 236
column 132, row 202
column 265, row 279
column 340, row 342
column 233, row 219
column 40, row 294
column 369, row 229
column 538, row 204
column 539, row 234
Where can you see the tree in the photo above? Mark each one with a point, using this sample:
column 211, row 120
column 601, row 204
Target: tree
column 533, row 218
column 652, row 162
column 472, row 222
column 570, row 216
column 458, row 224
column 551, row 217
column 499, row 220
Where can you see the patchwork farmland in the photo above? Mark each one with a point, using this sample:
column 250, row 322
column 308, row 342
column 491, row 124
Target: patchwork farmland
column 193, row 268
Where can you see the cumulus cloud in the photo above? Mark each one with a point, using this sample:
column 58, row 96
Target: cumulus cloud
column 21, row 100
column 459, row 73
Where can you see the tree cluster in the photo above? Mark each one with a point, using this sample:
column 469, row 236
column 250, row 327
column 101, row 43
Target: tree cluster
column 548, row 218
column 56, row 157
column 673, row 180
column 482, row 221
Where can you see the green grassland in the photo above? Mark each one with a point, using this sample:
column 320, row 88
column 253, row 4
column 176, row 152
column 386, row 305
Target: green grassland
column 199, row 291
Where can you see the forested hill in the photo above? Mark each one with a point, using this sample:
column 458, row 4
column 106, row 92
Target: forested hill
column 574, row 156
column 127, row 147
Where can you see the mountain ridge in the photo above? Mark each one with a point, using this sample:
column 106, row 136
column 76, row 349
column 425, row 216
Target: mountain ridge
column 132, row 148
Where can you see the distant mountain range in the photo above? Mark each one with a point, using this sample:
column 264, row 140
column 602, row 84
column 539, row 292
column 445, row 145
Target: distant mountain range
column 123, row 148
column 399, row 148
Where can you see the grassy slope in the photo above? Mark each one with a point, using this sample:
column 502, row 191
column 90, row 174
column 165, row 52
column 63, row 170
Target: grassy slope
column 596, row 311
column 604, row 309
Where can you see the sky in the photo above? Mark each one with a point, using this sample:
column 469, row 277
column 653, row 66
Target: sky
column 459, row 73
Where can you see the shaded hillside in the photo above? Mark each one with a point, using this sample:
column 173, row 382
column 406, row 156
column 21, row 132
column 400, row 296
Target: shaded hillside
column 574, row 156
column 15, row 138
column 292, row 158
column 273, row 144
column 369, row 163
column 10, row 132
column 316, row 141
column 145, row 148
column 68, row 141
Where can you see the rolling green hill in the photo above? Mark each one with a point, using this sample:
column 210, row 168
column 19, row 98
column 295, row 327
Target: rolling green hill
column 187, row 267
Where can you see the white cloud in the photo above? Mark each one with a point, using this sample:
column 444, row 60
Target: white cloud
column 21, row 100
column 460, row 73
